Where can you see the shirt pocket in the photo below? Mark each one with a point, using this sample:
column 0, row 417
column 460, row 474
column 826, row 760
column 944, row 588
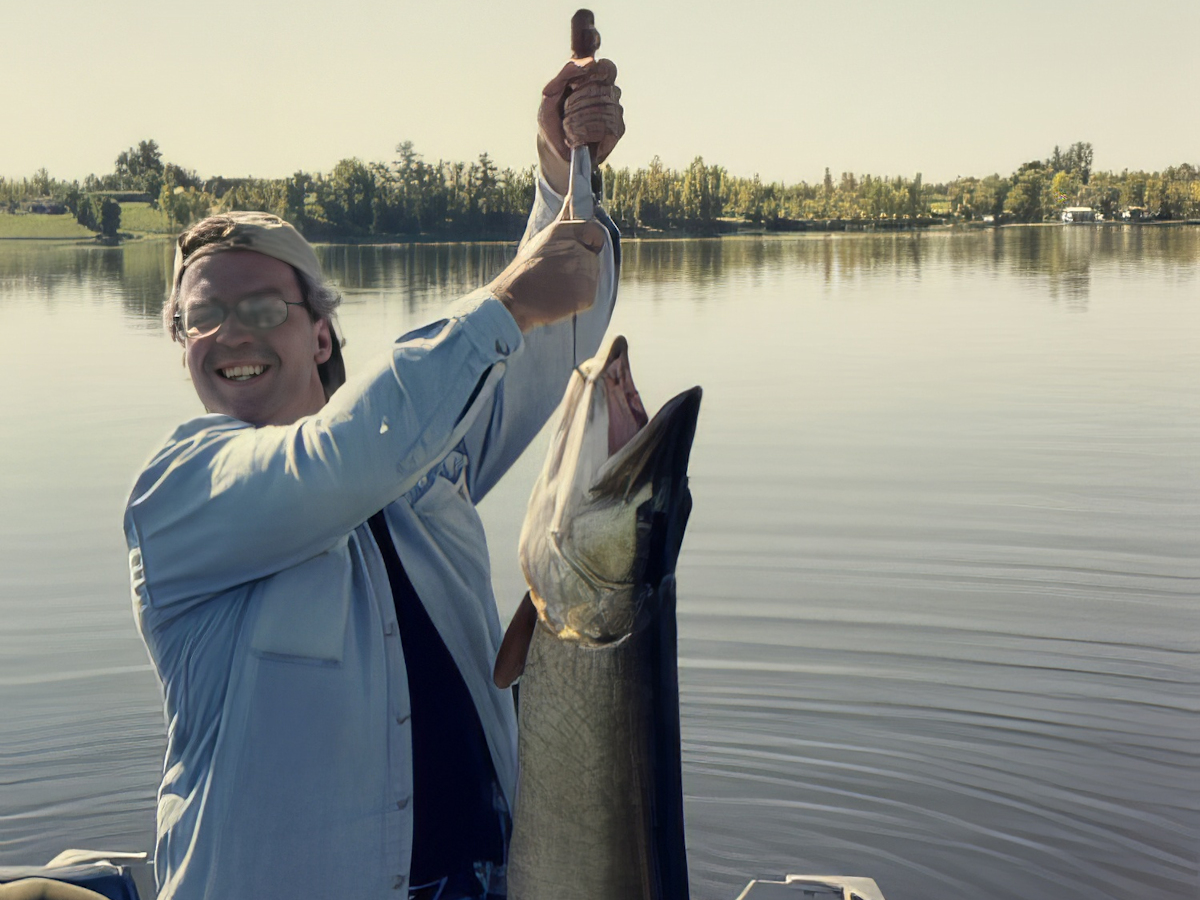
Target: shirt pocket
column 444, row 483
column 450, row 525
column 302, row 611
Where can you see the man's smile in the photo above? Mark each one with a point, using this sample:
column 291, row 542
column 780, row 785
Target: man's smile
column 241, row 373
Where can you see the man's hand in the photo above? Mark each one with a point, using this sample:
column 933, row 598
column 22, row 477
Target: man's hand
column 581, row 105
column 554, row 276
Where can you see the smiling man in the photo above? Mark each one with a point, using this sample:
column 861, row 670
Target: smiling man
column 259, row 364
column 309, row 572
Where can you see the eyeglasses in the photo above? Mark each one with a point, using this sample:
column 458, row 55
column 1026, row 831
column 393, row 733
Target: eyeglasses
column 261, row 311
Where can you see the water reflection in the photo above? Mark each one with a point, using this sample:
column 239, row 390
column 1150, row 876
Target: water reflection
column 137, row 274
column 939, row 619
column 146, row 278
column 1063, row 259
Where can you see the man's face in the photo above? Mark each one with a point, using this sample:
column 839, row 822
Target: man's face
column 281, row 362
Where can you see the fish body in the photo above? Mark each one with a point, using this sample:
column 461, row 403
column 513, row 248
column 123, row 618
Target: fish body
column 599, row 811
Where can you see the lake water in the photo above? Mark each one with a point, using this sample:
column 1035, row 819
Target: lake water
column 938, row 598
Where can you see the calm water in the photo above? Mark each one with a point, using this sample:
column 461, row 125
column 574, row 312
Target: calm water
column 939, row 596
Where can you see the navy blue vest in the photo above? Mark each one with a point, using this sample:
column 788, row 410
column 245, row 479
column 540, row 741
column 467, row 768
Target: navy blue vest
column 455, row 821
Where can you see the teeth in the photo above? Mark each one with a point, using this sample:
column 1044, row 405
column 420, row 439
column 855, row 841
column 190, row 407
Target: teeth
column 241, row 373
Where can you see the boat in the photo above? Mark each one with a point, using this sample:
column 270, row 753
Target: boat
column 1080, row 215
column 821, row 887
column 116, row 875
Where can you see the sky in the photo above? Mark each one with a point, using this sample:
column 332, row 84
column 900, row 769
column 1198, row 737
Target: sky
column 781, row 88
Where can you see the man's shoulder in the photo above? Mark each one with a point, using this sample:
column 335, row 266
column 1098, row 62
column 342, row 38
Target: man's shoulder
column 210, row 423
column 197, row 431
column 185, row 441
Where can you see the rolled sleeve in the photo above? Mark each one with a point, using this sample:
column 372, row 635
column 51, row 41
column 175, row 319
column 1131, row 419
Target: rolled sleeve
column 534, row 380
column 225, row 503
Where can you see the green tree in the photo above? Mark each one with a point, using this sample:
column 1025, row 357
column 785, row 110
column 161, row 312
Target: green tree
column 348, row 197
column 110, row 218
column 1063, row 191
column 1079, row 160
column 1103, row 194
column 139, row 168
column 88, row 212
column 41, row 183
column 1024, row 201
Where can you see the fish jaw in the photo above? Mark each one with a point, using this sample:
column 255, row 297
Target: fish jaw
column 626, row 414
column 581, row 545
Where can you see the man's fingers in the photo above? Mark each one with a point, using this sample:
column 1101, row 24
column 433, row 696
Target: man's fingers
column 595, row 126
column 560, row 82
column 606, row 146
column 590, row 113
column 592, row 95
column 591, row 234
column 604, row 71
column 580, row 72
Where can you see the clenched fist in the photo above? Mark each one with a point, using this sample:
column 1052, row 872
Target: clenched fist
column 554, row 276
column 581, row 105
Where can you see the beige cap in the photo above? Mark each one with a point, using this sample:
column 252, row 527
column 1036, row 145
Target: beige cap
column 258, row 231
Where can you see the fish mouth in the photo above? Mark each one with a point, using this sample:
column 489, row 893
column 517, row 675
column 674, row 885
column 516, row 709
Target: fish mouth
column 658, row 451
column 614, row 478
column 637, row 444
column 626, row 414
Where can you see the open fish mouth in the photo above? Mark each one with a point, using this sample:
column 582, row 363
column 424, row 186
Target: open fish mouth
column 580, row 546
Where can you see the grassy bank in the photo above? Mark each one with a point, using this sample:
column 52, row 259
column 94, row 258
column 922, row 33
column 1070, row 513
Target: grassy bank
column 136, row 219
column 35, row 225
column 142, row 218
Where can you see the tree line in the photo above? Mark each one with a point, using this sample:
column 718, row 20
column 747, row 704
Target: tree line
column 410, row 196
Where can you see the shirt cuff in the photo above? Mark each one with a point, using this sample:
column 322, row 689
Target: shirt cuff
column 491, row 327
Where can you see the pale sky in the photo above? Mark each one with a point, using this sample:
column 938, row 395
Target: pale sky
column 778, row 87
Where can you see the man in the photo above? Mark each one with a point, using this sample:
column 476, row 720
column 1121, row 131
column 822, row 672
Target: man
column 310, row 575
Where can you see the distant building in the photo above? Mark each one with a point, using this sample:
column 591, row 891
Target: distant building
column 1079, row 215
column 45, row 206
column 1135, row 214
column 124, row 196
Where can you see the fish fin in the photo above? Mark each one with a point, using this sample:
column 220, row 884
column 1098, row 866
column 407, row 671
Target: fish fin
column 510, row 659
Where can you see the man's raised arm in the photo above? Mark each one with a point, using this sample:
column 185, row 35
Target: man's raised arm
column 580, row 106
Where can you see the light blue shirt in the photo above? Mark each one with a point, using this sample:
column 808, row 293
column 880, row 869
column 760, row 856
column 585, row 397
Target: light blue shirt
column 267, row 611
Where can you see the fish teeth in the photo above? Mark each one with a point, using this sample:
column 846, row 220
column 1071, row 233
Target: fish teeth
column 241, row 373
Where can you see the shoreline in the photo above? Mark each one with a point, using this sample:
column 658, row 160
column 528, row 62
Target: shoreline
column 799, row 228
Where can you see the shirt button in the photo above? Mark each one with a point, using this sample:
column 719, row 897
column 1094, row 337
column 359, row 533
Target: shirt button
column 389, row 627
column 400, row 882
column 400, row 720
column 403, row 804
column 501, row 346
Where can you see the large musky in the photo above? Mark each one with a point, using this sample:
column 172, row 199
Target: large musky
column 778, row 87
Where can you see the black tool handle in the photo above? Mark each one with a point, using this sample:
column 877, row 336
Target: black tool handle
column 585, row 41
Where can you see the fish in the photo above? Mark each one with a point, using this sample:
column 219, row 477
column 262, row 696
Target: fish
column 599, row 804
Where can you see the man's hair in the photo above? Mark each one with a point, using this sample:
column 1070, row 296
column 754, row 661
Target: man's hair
column 321, row 300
